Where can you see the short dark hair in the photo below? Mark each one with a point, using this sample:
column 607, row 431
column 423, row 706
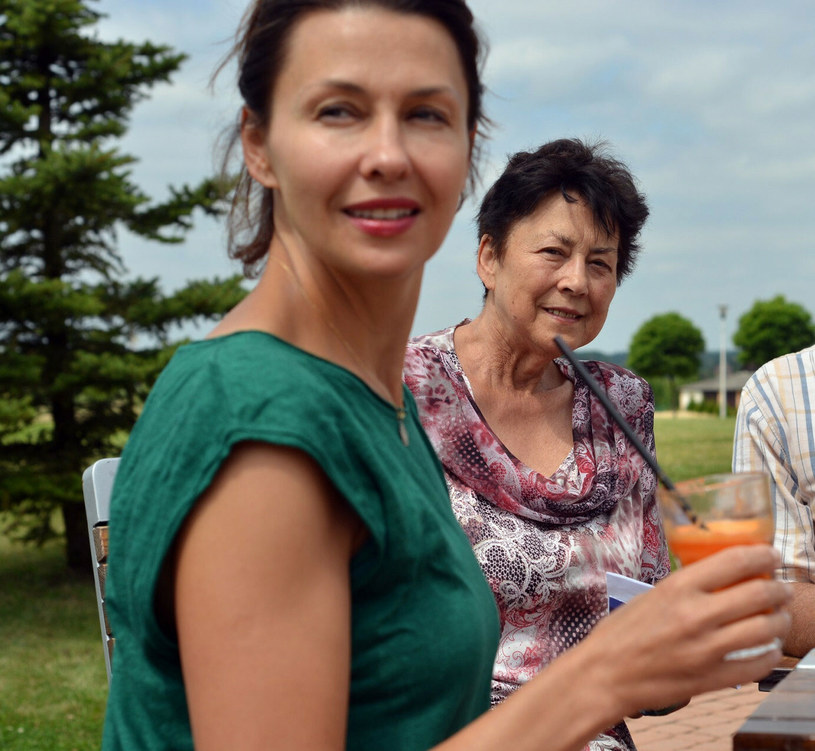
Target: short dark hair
column 580, row 171
column 260, row 51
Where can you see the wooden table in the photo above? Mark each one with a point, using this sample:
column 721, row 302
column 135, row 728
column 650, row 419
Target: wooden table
column 785, row 720
column 784, row 668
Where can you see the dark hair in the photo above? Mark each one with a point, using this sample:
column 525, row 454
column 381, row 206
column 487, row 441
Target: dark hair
column 579, row 171
column 260, row 51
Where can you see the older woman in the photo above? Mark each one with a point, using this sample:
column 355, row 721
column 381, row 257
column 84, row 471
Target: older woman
column 546, row 486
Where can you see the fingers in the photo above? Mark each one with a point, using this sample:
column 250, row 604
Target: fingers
column 748, row 598
column 689, row 634
column 737, row 672
column 752, row 637
column 730, row 566
column 736, row 611
column 676, row 658
column 724, row 589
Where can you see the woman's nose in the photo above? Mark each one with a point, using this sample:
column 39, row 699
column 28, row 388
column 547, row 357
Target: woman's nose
column 573, row 277
column 385, row 152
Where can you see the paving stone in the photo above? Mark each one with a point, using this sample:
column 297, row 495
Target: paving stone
column 706, row 724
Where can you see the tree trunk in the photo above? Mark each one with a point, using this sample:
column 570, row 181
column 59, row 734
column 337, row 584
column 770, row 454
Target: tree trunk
column 77, row 544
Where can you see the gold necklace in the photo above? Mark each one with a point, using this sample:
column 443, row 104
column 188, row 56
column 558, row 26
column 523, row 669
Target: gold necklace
column 400, row 411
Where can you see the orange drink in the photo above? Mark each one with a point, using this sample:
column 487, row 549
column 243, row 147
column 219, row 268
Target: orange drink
column 690, row 542
column 732, row 509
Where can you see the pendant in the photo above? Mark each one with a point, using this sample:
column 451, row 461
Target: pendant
column 400, row 419
column 403, row 434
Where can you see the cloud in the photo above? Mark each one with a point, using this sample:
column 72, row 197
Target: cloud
column 709, row 103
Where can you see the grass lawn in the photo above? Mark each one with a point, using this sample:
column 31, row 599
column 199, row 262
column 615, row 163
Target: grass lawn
column 693, row 446
column 52, row 674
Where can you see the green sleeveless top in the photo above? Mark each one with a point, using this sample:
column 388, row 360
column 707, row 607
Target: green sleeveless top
column 424, row 622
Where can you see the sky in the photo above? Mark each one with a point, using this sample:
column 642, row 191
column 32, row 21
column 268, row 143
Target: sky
column 710, row 104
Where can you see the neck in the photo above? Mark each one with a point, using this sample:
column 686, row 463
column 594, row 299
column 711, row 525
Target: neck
column 496, row 361
column 362, row 325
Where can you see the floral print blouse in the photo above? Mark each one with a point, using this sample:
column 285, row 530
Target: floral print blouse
column 545, row 543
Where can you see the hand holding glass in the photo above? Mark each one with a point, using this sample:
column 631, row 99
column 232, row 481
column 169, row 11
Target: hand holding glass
column 734, row 509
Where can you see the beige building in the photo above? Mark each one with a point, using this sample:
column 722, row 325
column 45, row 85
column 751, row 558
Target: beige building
column 708, row 390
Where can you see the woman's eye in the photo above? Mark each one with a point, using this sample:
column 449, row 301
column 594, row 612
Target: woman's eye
column 429, row 114
column 335, row 112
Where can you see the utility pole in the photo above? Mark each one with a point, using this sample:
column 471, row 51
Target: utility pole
column 723, row 362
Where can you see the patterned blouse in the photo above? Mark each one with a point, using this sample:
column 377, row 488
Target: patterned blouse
column 545, row 543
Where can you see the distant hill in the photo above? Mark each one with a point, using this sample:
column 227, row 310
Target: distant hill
column 710, row 363
column 708, row 367
column 617, row 358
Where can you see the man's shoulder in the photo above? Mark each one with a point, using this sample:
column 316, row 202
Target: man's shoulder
column 783, row 372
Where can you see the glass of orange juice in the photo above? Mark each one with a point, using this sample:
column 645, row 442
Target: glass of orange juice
column 734, row 509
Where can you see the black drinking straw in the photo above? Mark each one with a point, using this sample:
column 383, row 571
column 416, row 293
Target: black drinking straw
column 569, row 354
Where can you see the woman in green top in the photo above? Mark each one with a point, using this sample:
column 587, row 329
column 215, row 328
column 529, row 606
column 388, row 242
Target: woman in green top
column 285, row 569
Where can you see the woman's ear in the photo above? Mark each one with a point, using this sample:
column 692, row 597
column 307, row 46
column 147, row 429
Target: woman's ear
column 486, row 262
column 255, row 149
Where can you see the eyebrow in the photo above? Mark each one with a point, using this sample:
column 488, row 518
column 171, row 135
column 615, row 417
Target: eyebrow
column 331, row 83
column 354, row 88
column 570, row 242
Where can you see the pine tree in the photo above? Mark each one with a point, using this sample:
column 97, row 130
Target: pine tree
column 80, row 344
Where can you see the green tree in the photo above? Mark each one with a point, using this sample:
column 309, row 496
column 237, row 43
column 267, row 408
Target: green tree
column 80, row 345
column 667, row 346
column 772, row 328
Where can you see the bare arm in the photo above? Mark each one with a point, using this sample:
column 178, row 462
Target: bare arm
column 263, row 614
column 765, row 441
column 262, row 597
column 802, row 632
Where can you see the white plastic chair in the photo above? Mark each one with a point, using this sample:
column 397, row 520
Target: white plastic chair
column 97, row 485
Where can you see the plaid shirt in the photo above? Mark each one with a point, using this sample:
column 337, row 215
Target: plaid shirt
column 775, row 433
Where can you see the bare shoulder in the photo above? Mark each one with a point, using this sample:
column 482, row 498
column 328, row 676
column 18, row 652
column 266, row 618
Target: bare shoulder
column 262, row 561
column 270, row 490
